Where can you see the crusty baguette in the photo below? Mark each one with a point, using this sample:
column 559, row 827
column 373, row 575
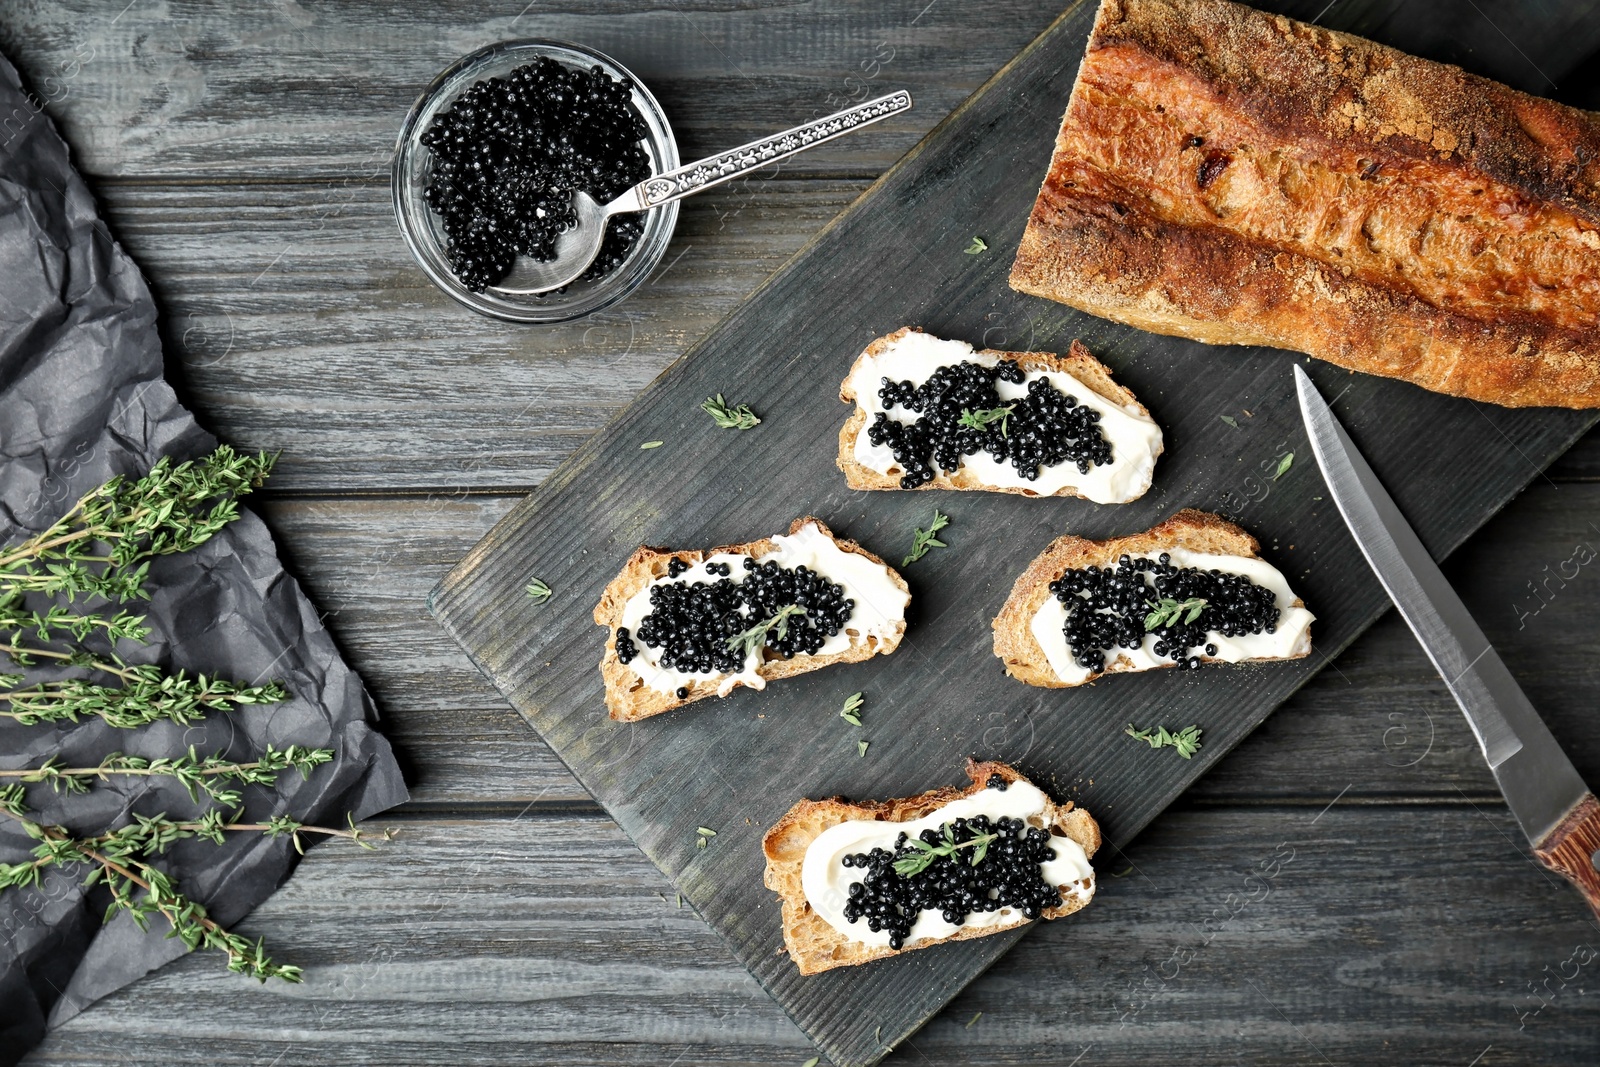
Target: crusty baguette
column 816, row 946
column 1014, row 643
column 1237, row 177
column 628, row 698
column 1077, row 362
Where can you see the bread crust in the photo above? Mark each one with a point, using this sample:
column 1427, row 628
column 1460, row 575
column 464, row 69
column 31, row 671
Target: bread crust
column 1014, row 643
column 629, row 699
column 1382, row 212
column 816, row 946
column 1078, row 362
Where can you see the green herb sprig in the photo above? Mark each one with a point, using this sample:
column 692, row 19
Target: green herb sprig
column 119, row 860
column 150, row 695
column 1165, row 612
column 103, row 545
column 977, row 247
column 918, row 861
column 537, row 591
column 747, row 641
column 851, row 712
column 739, row 417
column 923, row 540
column 198, row 774
column 983, row 418
column 1185, row 741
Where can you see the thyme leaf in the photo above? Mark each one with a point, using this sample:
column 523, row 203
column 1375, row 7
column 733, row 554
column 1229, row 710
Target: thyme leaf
column 923, row 540
column 1230, row 420
column 537, row 591
column 851, row 712
column 977, row 247
column 1186, row 741
column 981, row 418
column 729, row 418
column 1165, row 612
column 918, row 861
column 650, row 444
column 747, row 641
column 861, row 747
column 1283, row 466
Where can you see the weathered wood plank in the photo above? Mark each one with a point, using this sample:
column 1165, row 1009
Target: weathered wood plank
column 1380, row 720
column 1267, row 936
column 192, row 88
column 297, row 320
column 705, row 489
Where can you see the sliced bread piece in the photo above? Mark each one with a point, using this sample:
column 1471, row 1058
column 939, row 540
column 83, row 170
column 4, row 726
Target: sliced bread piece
column 911, row 355
column 1028, row 631
column 643, row 687
column 816, row 944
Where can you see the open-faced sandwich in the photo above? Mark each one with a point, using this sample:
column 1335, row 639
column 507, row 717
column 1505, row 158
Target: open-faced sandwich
column 935, row 414
column 861, row 881
column 1192, row 590
column 689, row 625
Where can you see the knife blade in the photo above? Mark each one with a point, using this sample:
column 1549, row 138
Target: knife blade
column 1554, row 807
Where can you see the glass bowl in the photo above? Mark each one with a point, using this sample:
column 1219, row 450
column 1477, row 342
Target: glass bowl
column 413, row 163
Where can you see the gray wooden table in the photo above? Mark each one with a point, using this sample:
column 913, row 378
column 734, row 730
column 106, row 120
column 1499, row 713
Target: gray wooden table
column 1369, row 899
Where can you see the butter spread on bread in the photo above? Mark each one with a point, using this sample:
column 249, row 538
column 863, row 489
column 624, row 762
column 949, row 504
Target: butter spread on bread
column 948, row 865
column 1190, row 591
column 688, row 625
column 932, row 413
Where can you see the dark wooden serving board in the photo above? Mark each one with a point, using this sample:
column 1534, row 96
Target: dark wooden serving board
column 894, row 258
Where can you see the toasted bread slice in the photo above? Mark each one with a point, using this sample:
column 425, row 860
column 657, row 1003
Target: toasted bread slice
column 814, row 945
column 1077, row 363
column 629, row 698
column 1197, row 531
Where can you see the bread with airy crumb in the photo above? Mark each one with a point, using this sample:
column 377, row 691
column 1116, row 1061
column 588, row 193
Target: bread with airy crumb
column 1077, row 363
column 1014, row 643
column 814, row 945
column 629, row 699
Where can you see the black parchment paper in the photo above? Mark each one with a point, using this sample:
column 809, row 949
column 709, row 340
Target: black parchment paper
column 82, row 398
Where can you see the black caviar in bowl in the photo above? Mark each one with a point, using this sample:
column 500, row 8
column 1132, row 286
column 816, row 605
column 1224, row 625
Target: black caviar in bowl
column 510, row 152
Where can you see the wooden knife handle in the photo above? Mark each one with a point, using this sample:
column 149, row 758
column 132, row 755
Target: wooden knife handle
column 1572, row 847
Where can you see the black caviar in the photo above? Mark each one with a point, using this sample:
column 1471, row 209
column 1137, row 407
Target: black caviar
column 1041, row 429
column 1109, row 607
column 697, row 624
column 1008, row 876
column 508, row 155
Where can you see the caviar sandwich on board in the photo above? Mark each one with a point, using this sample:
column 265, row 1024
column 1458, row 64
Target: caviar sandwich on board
column 689, row 625
column 935, row 414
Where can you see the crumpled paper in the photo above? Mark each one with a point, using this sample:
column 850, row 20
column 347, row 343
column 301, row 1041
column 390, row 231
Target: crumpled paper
column 82, row 398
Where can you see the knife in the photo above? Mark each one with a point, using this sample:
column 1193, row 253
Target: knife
column 1556, row 810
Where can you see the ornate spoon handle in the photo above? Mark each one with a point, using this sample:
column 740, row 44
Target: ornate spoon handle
column 736, row 162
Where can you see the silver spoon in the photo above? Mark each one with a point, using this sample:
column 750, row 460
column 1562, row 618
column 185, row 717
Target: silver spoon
column 577, row 247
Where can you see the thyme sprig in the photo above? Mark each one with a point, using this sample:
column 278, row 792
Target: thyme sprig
column 747, row 641
column 1186, row 741
column 58, row 622
column 119, row 860
column 103, row 545
column 150, row 695
column 728, row 417
column 1166, row 611
column 918, row 861
column 198, row 774
column 923, row 540
column 982, row 418
column 851, row 712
